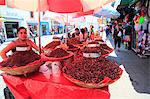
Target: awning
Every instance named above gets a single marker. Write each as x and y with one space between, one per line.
2 2
125 3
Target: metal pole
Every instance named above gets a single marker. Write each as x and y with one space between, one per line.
67 24
39 35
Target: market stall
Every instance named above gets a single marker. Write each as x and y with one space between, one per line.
84 75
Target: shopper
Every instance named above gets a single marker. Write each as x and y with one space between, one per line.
117 37
128 34
91 31
86 33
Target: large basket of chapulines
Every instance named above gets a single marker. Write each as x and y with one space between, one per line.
50 47
73 41
57 54
99 50
92 73
73 49
95 47
106 47
21 63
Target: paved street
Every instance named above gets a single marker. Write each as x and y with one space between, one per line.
137 68
135 81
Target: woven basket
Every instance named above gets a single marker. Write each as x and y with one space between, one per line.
45 58
74 50
79 45
23 70
120 73
109 51
47 51
107 81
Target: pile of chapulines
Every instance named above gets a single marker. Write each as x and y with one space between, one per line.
91 70
57 53
20 58
99 49
53 44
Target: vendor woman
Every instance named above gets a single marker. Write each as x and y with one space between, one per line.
22 41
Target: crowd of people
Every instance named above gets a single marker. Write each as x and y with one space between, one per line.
120 33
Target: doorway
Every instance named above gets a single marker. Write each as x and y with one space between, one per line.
11 29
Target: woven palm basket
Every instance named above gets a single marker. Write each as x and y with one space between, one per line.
23 70
107 81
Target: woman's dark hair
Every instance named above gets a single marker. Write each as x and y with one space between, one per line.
73 35
76 29
82 31
69 35
91 26
20 29
86 30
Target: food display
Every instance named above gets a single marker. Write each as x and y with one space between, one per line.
104 46
57 53
99 49
52 45
73 41
89 70
71 46
20 58
92 69
94 42
99 40
91 50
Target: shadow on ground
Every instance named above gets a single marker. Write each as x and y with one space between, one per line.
137 68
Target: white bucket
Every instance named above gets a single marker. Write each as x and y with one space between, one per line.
56 68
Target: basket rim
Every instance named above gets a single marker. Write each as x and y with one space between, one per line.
83 84
23 69
16 67
73 49
92 85
56 59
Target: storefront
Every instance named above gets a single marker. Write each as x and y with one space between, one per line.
57 28
140 36
11 29
10 21
43 25
9 26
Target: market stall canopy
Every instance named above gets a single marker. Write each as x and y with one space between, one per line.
2 2
107 11
111 13
60 6
125 3
60 18
128 2
79 14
